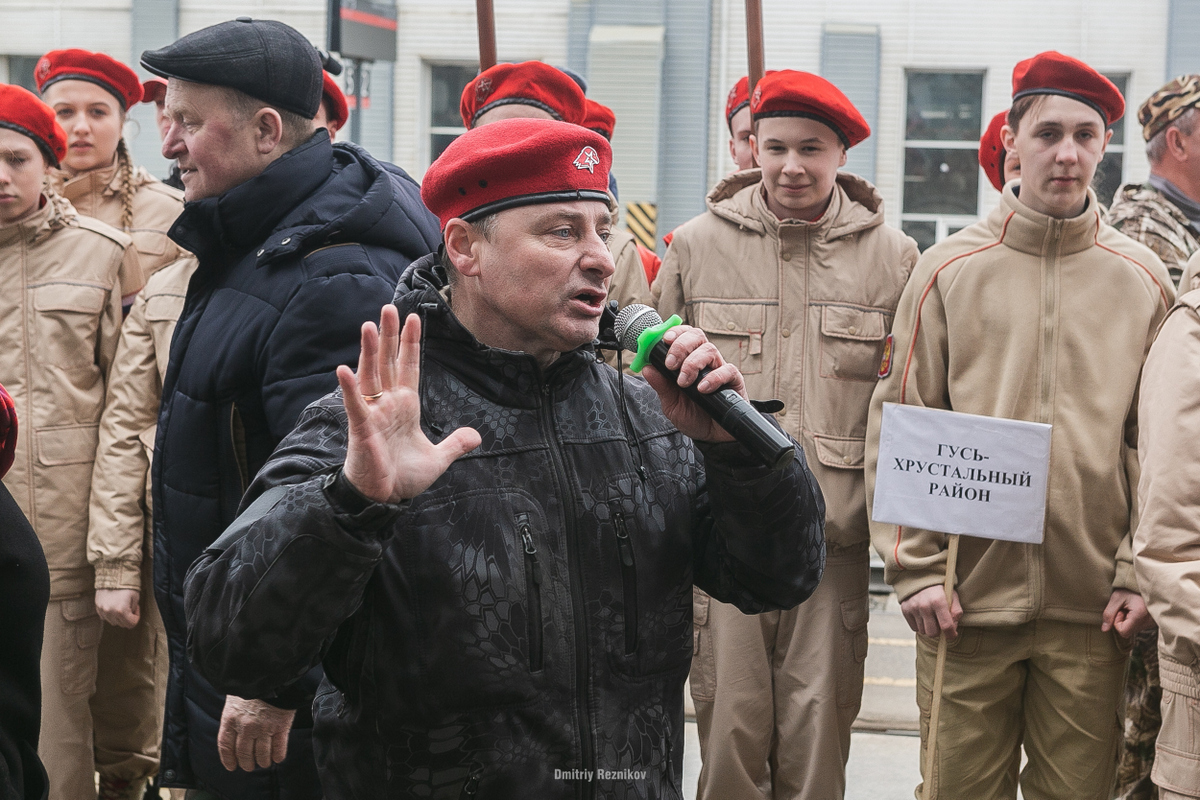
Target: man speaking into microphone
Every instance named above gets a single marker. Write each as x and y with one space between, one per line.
487 537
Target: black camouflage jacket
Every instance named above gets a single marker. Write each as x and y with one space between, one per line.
523 628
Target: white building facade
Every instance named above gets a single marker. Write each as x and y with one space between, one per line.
928 75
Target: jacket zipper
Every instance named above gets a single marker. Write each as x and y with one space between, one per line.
628 582
533 589
471 787
579 623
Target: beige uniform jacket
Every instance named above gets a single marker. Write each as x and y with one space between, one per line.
1166 544
62 276
1033 318
119 526
803 309
628 284
155 206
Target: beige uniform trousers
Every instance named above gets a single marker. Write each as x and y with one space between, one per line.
1177 754
1056 687
776 693
103 692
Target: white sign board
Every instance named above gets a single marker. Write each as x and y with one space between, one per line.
962 473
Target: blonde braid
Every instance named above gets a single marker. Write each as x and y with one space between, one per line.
125 166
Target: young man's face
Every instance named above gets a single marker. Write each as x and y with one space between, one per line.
540 283
1058 143
800 158
216 149
22 169
740 129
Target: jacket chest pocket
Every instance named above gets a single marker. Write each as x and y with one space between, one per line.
478 575
66 322
646 551
737 331
852 342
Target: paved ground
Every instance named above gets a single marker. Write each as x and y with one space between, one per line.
884 749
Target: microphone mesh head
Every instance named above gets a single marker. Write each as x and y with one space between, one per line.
632 321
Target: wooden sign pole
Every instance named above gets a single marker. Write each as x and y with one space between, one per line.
754 42
486 22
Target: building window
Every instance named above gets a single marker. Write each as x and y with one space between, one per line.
20 71
447 82
1111 170
941 145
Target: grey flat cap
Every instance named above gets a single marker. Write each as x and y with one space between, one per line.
263 58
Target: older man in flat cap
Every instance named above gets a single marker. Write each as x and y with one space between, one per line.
1164 212
506 613
299 242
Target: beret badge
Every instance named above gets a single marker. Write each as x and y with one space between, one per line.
587 159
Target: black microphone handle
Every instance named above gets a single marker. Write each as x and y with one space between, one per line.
734 413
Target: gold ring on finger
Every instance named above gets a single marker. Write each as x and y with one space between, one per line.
375 396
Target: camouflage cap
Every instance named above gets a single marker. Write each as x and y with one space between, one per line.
1168 103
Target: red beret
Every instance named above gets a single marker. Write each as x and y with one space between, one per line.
788 93
600 118
23 112
517 162
81 65
336 109
8 431
1054 73
739 98
991 151
154 90
530 83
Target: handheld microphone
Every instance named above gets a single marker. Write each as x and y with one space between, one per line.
639 329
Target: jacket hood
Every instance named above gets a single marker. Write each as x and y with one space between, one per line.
315 195
55 213
856 206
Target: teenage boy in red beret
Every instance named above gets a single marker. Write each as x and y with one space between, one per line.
793 274
504 614
737 117
1040 312
64 276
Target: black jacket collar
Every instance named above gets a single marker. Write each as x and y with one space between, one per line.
243 217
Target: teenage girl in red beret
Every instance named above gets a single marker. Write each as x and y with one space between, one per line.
90 94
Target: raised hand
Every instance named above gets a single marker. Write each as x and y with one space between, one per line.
389 458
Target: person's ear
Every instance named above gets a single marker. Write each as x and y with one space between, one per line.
1175 143
462 246
754 147
268 130
842 160
1008 138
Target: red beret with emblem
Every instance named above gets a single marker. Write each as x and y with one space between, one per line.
23 112
738 98
335 101
530 83
600 118
788 93
81 65
8 431
1054 73
991 151
154 90
517 162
